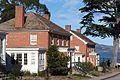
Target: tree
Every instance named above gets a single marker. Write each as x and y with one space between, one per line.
108 25
57 62
7 8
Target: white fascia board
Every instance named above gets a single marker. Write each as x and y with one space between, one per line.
22 49
78 37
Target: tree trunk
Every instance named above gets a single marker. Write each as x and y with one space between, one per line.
115 50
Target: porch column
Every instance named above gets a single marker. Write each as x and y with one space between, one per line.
4 50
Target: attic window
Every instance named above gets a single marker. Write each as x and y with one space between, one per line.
33 39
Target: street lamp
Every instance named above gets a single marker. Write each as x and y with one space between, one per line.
71 50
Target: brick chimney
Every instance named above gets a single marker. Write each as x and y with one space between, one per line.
47 15
19 16
78 30
68 28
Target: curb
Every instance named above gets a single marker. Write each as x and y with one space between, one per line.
110 76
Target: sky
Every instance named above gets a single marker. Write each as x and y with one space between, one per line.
66 12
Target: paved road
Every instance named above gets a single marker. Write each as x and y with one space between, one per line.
114 78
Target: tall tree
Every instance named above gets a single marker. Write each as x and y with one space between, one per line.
109 23
7 8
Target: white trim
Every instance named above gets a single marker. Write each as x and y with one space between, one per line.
78 37
19 49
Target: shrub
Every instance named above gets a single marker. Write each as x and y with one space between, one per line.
85 66
26 73
57 62
41 73
34 74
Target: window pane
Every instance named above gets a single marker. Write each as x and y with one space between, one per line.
25 58
12 58
33 39
19 58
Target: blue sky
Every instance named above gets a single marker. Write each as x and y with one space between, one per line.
65 12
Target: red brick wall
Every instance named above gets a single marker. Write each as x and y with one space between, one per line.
94 59
76 42
22 39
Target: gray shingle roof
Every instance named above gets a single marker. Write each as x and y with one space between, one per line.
34 21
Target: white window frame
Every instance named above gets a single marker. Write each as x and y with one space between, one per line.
77 48
62 42
33 39
33 58
67 42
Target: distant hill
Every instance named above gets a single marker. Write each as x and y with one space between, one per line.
104 48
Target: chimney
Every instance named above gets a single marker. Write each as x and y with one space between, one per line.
19 16
47 15
68 28
78 30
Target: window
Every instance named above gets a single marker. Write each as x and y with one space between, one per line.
25 58
58 42
33 39
41 59
67 42
52 41
19 59
12 58
33 58
78 59
62 42
77 48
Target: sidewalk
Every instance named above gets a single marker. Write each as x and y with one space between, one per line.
106 76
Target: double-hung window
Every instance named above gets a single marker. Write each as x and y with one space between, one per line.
33 39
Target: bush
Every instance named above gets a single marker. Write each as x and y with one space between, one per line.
85 66
34 74
41 73
12 77
57 62
26 73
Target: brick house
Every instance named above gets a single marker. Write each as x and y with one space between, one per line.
29 36
84 47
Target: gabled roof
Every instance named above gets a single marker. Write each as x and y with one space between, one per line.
83 38
33 22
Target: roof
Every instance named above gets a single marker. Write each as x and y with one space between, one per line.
34 22
84 38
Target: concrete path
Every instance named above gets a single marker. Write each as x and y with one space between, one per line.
106 76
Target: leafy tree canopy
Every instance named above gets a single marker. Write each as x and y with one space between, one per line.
7 8
110 22
110 9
